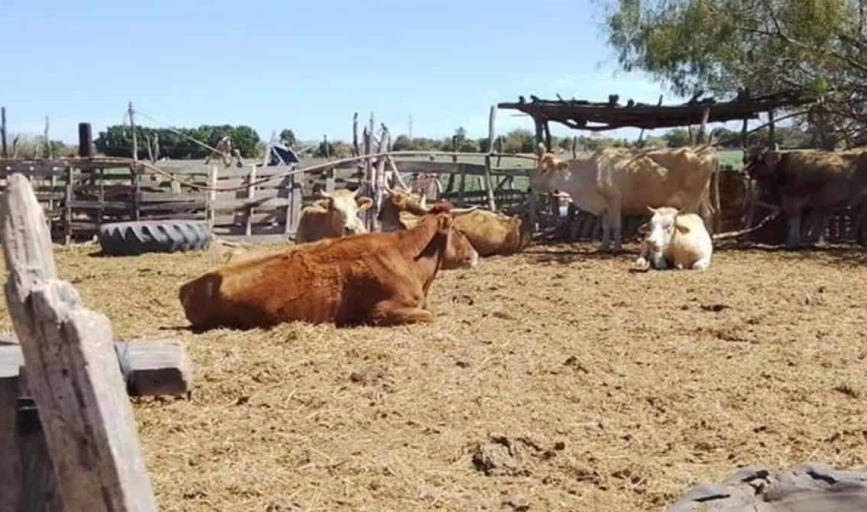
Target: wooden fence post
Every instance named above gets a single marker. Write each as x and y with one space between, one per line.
492 136
3 131
210 214
136 191
702 130
85 140
251 194
72 370
70 195
134 135
297 198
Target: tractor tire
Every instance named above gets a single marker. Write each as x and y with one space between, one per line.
140 237
804 488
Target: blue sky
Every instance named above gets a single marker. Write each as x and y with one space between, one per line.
302 65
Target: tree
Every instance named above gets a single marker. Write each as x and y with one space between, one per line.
287 137
519 141
813 48
402 143
676 138
116 140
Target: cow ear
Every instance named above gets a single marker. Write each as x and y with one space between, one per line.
364 203
682 229
444 224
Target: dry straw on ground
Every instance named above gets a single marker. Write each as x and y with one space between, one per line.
552 380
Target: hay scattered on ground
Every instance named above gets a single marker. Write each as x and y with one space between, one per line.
552 380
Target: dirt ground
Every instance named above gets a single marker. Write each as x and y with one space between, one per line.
551 380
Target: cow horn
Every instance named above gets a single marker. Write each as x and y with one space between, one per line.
324 195
463 211
357 191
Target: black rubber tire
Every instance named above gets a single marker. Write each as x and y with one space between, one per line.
140 237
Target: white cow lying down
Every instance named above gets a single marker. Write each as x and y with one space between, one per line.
675 239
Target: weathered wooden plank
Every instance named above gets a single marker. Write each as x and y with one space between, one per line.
251 199
9 461
72 370
153 197
267 218
242 204
180 205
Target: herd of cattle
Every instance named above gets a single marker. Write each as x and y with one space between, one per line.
338 273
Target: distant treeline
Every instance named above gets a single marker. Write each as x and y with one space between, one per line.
117 141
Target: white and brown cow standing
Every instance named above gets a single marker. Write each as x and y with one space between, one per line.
675 240
613 182
333 216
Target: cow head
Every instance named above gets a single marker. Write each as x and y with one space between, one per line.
459 252
396 201
760 163
662 228
548 174
343 207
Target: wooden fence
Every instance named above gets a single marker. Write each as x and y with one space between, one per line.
77 195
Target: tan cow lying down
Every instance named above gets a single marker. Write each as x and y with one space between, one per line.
675 239
612 182
490 232
333 216
374 278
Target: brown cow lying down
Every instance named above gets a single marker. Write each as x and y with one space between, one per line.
374 278
490 232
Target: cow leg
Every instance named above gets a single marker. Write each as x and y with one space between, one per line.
701 264
389 312
793 239
616 221
606 230
819 226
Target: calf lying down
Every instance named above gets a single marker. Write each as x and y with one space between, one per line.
375 278
674 239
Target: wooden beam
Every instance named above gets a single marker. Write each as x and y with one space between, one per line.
72 370
548 143
149 368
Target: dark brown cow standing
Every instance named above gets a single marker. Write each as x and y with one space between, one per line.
375 278
817 180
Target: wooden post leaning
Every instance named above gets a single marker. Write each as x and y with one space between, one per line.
72 370
489 187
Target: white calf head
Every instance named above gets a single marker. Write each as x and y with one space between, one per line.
343 207
662 227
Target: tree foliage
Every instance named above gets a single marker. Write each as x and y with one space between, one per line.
287 137
813 47
116 140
